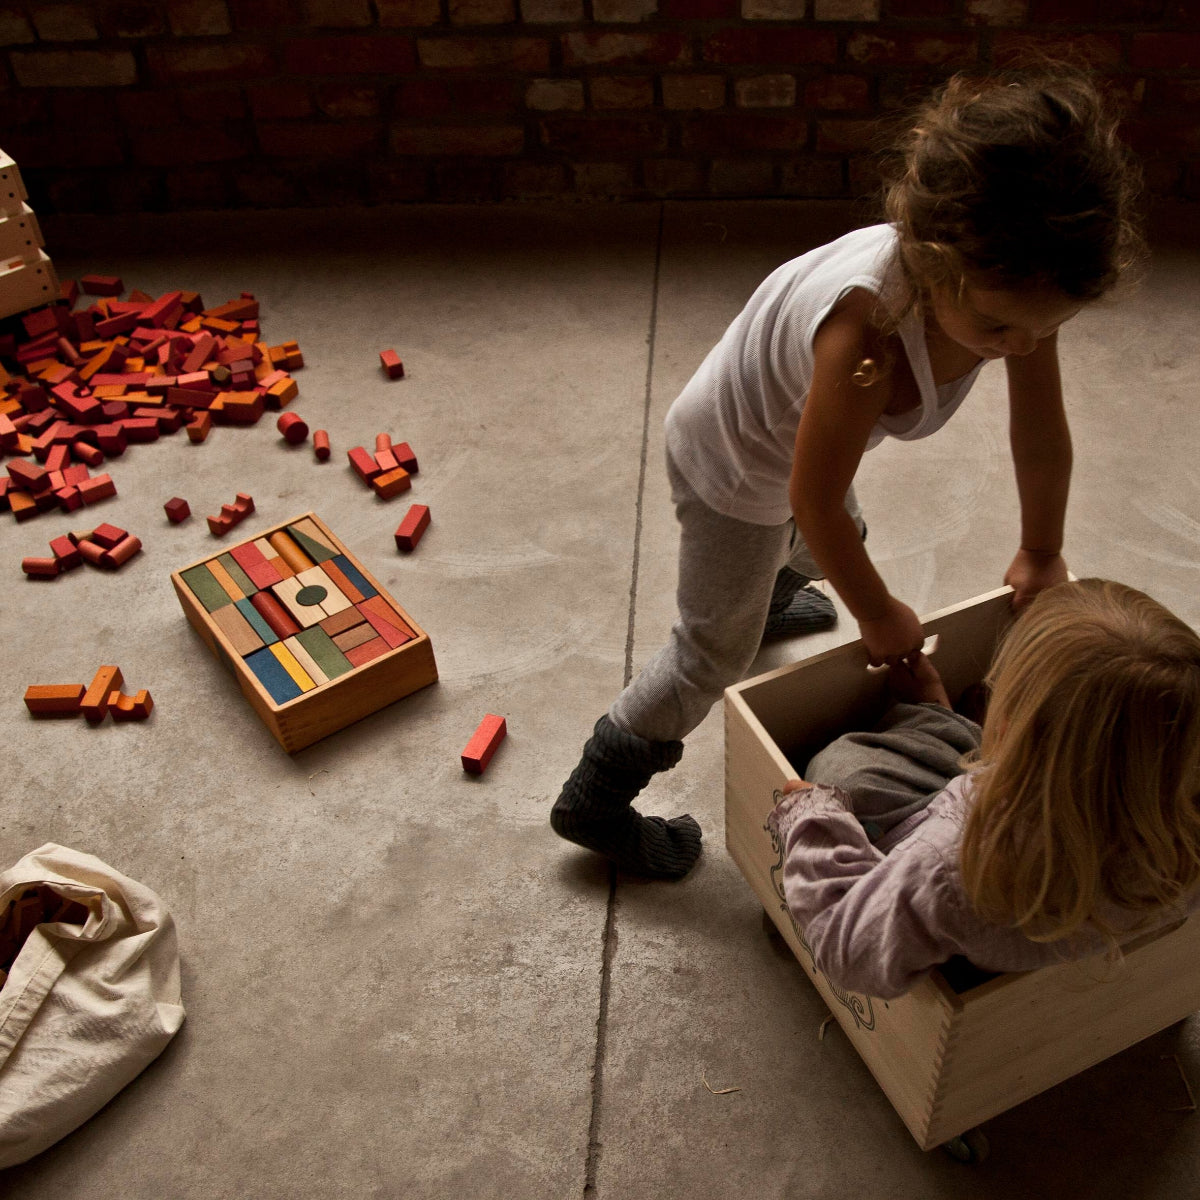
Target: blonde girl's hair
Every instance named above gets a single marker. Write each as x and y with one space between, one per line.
1017 180
1087 785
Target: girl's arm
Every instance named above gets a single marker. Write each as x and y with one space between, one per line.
1041 451
832 437
875 924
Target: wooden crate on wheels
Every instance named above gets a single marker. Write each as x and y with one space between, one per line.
961 1046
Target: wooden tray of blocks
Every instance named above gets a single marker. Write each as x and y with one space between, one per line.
313 640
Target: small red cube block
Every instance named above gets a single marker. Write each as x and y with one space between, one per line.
392 364
177 509
108 536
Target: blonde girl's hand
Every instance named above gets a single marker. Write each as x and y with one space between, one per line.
894 635
1031 572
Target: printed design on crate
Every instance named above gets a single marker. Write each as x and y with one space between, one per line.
859 1006
296 609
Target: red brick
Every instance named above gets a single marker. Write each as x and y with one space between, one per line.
625 92
1172 93
673 177
184 144
263 14
997 12
551 12
812 177
763 47
198 18
554 95
614 12
1172 50
774 10
466 182
422 98
390 182
262 188
840 92
1087 12
693 91
486 95
14 27
741 177
845 136
519 53
928 10
319 139
456 140
73 68
408 13
765 91
339 14
906 46
846 10
533 181
625 49
607 135
201 62
349 55
604 179
481 12
192 188
1096 49
746 133
73 147
344 100
64 23
700 10
147 109
1164 135
212 104
280 101
135 20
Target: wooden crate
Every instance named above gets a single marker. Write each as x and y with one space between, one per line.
25 284
960 1047
322 707
20 235
12 186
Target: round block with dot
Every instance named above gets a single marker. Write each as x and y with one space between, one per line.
293 428
313 594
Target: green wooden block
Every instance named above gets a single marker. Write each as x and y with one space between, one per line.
237 574
325 654
204 586
311 547
259 626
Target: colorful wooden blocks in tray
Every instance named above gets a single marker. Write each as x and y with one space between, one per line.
314 642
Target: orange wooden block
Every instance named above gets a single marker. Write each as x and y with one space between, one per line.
95 700
491 732
130 708
391 483
199 427
55 699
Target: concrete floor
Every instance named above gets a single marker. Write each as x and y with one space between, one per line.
399 983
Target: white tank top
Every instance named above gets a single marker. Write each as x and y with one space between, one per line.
732 430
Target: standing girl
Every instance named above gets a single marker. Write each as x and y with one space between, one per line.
1011 209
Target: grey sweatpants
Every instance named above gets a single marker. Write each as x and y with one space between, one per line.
894 770
727 572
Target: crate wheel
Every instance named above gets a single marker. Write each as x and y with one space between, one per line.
969 1147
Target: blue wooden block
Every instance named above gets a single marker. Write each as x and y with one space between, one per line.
270 673
355 576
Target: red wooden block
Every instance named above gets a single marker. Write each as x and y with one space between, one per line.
66 552
220 526
130 708
92 552
99 487
364 653
491 732
121 553
88 454
69 498
364 464
321 445
392 364
293 428
404 456
251 560
177 509
108 536
385 629
385 459
275 615
40 568
111 438
199 427
415 522
54 699
29 477
107 679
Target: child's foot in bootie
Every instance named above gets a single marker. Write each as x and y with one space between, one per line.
797 607
594 808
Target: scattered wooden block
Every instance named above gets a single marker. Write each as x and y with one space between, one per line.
199 427
392 366
293 428
391 483
54 699
40 568
364 464
410 530
108 535
478 753
177 509
66 552
101 285
95 700
321 445
130 708
121 553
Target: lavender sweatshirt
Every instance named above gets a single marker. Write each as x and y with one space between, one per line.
879 917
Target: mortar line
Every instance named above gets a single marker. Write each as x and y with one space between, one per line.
610 931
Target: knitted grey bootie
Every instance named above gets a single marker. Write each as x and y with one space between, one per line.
594 810
797 607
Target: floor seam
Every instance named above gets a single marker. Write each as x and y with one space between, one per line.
610 931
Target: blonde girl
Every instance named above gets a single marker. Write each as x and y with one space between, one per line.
1076 826
1011 209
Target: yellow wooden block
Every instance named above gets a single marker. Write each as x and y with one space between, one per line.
287 660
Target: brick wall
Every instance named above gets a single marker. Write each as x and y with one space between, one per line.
126 105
